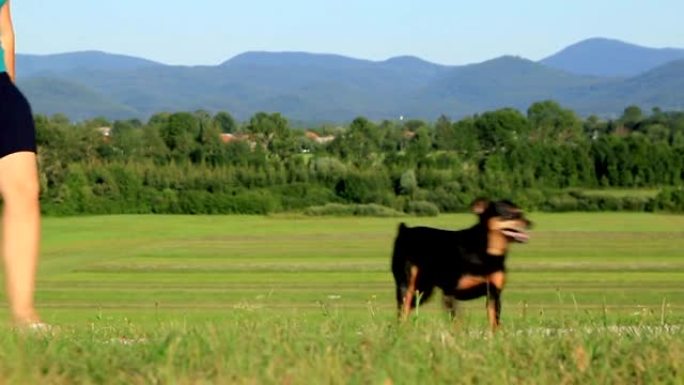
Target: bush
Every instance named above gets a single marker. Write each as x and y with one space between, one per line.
422 209
562 203
297 196
247 202
257 202
165 202
609 203
363 187
451 197
408 183
576 200
637 204
336 209
670 199
530 199
327 169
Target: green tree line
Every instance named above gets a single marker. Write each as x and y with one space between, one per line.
198 162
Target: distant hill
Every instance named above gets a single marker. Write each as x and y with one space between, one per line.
307 87
661 87
610 58
41 78
264 58
31 65
52 96
313 88
503 82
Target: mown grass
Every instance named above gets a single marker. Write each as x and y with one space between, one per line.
622 193
593 298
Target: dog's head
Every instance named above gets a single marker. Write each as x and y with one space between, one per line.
505 222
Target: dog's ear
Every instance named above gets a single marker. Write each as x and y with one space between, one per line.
479 205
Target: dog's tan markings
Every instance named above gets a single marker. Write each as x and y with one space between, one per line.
479 205
498 279
495 283
470 281
410 292
497 244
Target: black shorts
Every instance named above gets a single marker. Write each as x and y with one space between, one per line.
17 131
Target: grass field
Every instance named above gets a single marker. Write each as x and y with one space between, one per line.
622 193
593 298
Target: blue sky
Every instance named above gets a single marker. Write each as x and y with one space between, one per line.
198 32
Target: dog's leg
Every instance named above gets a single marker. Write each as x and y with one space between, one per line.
494 306
495 285
410 291
450 305
400 294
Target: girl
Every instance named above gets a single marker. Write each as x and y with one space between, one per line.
18 184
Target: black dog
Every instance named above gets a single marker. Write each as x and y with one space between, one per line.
465 264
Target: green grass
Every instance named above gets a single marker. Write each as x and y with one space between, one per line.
623 193
593 298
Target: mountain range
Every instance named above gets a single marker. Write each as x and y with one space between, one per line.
596 76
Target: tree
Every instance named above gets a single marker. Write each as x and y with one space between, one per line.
420 145
60 120
210 147
465 139
408 184
631 117
445 135
125 139
46 132
359 142
153 145
225 122
552 123
159 119
498 129
267 126
594 127
179 133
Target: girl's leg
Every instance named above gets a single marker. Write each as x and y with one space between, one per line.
19 186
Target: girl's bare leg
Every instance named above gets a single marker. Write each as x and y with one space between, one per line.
19 187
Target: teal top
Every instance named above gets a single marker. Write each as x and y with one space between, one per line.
2 51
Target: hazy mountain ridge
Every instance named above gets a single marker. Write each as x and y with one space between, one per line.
611 58
327 87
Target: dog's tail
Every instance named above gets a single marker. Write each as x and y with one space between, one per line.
399 264
398 253
399 240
